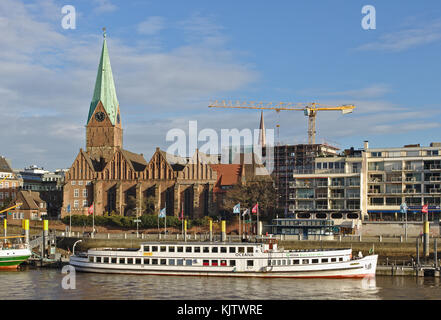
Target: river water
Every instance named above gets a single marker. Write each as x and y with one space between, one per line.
46 284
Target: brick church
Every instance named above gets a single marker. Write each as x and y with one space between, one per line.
117 180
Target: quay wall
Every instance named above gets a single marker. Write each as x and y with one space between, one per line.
395 229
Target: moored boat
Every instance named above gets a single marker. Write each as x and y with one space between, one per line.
11 256
262 259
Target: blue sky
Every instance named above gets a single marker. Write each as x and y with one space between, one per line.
171 58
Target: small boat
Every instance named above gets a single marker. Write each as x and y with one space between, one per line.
260 259
12 255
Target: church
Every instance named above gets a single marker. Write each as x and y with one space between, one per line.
118 181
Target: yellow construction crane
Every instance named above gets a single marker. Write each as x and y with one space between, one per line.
310 110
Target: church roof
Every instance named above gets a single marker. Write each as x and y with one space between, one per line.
105 87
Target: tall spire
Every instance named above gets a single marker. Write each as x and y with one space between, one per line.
105 86
262 135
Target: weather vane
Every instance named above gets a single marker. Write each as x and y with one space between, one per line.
104 32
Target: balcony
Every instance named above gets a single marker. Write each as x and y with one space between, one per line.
322 207
435 190
411 191
353 196
353 206
337 195
321 196
374 191
304 207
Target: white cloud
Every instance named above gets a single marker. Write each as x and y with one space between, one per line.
405 39
47 84
151 26
103 6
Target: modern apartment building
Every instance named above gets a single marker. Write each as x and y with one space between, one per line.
411 175
332 189
370 183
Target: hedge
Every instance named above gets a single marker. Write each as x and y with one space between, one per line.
147 221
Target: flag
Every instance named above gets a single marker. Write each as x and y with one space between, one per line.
68 208
162 213
403 208
255 208
91 209
245 212
425 209
236 208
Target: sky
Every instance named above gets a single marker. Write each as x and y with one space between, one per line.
170 59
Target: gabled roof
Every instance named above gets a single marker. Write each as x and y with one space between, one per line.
227 175
136 160
105 88
31 200
177 163
4 165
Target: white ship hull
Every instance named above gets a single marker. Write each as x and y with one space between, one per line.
260 263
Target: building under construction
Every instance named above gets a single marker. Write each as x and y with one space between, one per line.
298 158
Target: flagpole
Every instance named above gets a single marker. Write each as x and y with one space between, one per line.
257 225
239 225
165 221
93 220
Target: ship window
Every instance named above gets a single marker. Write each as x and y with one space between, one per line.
113 260
223 249
154 249
340 259
324 260
223 262
180 262
241 250
122 260
106 260
214 249
188 262
129 260
163 261
273 262
137 261
232 263
154 261
171 249
206 249
197 249
305 261
180 249
278 262
98 259
250 250
315 260
214 263
146 261
188 249
232 249
171 262
250 263
296 261
333 259
205 262
90 259
163 249
283 262
146 248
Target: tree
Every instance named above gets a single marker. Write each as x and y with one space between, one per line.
147 206
260 191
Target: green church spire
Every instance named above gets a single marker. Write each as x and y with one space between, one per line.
105 87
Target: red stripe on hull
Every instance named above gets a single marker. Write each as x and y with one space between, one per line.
8 267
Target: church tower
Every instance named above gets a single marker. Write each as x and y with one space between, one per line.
103 128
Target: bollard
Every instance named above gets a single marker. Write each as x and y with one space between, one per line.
5 227
211 230
185 230
435 255
380 238
426 238
223 233
26 230
418 251
45 234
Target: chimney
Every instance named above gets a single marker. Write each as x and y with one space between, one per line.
366 145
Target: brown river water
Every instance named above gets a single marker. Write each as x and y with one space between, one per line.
46 284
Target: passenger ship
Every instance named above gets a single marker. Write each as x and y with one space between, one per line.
226 259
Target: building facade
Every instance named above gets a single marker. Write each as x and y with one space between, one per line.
116 180
371 184
10 184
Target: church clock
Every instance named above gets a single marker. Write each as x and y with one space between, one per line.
100 116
